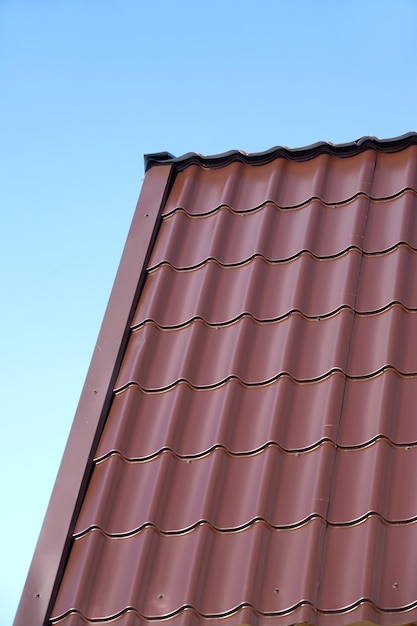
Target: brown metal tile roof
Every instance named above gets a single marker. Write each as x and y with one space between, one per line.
245 448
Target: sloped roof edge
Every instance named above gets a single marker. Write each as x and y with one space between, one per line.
54 539
297 154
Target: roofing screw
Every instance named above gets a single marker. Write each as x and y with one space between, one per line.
37 595
159 596
276 590
188 460
94 391
146 214
395 585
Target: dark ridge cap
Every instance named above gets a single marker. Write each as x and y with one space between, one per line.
157 158
295 154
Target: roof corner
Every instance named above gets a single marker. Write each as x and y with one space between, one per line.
156 158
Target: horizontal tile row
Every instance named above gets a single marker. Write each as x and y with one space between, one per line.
242 419
364 613
229 492
254 352
270 291
271 570
231 237
290 183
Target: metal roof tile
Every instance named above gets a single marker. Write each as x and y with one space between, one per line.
379 340
386 467
253 352
175 494
284 182
170 572
383 405
233 238
385 279
236 417
219 295
378 553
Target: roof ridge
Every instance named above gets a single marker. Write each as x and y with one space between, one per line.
303 153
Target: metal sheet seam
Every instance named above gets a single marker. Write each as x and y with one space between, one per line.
333 465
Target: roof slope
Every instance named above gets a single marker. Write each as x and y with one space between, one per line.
258 450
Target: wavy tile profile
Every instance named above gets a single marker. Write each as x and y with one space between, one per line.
174 494
232 237
168 572
257 462
248 350
312 286
241 419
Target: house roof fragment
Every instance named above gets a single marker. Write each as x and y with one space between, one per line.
245 444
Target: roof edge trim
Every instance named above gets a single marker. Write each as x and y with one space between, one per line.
55 537
157 158
295 154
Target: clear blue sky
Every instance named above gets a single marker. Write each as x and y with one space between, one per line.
88 87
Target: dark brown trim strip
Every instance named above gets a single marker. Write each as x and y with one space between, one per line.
294 154
56 534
